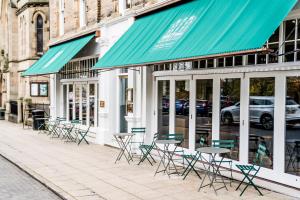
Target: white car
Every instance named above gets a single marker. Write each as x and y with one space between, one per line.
261 110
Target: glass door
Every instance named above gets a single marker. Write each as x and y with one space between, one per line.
204 103
182 107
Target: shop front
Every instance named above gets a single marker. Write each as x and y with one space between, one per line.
229 78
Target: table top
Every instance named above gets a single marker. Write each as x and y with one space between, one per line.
167 141
123 134
212 150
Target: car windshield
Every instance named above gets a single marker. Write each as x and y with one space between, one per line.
290 102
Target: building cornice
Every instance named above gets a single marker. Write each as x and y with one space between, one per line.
32 4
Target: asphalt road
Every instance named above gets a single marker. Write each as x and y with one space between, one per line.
17 185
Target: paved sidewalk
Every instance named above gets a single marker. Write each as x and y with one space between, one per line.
88 172
17 185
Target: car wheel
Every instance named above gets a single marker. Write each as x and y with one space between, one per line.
227 118
267 122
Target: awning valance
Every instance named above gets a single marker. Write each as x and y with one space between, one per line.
197 28
57 56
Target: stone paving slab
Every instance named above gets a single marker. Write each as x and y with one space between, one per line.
88 172
17 185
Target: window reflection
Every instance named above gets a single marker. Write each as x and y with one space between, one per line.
163 106
230 113
182 95
261 113
292 118
92 104
204 92
71 102
84 104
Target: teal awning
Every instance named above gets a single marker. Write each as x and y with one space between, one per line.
57 56
197 28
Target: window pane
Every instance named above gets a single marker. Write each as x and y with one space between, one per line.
290 30
204 98
220 62
84 104
210 63
238 60
230 113
289 48
92 105
71 102
228 61
163 106
261 112
261 59
251 60
77 101
292 121
182 101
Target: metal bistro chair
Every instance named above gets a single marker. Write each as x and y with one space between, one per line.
178 137
146 151
255 167
192 159
82 134
138 139
228 144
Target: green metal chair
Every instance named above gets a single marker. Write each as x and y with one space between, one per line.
178 137
82 134
138 139
192 159
228 144
255 167
146 151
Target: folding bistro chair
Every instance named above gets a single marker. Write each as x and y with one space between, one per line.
178 137
138 139
81 135
146 151
191 160
228 144
255 167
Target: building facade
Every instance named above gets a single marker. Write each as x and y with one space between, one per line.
250 98
24 30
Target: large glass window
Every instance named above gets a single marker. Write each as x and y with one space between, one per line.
292 123
261 115
77 102
204 99
123 113
70 101
92 104
182 100
84 104
230 113
163 106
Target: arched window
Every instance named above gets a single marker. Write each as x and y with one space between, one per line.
39 34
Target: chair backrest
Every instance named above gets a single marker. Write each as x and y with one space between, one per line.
138 130
228 144
202 142
261 152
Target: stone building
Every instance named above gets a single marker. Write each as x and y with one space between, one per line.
116 65
24 30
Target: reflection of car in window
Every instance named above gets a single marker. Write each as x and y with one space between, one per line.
261 111
203 108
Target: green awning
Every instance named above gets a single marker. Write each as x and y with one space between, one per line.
196 29
57 56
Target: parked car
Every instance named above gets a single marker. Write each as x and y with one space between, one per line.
261 111
203 107
179 105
